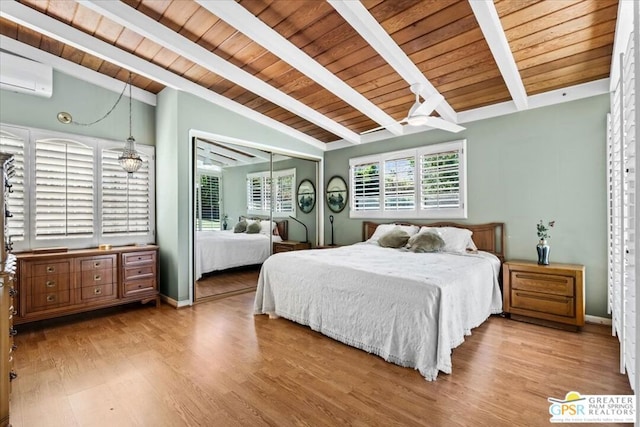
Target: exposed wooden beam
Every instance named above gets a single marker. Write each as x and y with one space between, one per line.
34 20
366 25
211 148
222 159
489 21
153 30
245 22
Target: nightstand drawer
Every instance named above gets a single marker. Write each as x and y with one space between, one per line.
547 283
542 303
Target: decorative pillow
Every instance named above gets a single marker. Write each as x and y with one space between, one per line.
383 229
240 227
395 238
425 242
254 227
265 229
455 239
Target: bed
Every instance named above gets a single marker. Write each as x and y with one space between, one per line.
409 308
223 249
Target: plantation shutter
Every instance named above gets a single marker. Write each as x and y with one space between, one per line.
14 144
125 197
440 183
64 189
365 183
284 194
399 184
256 192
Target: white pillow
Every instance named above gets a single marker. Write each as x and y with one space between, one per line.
265 227
383 229
455 239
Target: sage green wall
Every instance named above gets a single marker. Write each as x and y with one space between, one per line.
546 163
178 113
86 102
235 193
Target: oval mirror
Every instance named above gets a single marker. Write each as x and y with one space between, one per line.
306 196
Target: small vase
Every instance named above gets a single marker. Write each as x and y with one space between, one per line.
543 252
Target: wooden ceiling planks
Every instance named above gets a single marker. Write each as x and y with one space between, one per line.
554 43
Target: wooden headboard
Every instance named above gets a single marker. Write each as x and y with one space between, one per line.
487 237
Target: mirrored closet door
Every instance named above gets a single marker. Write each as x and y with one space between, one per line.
245 200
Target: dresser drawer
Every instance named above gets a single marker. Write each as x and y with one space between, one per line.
46 268
50 283
106 291
44 301
542 302
97 264
140 272
547 283
96 277
137 258
139 286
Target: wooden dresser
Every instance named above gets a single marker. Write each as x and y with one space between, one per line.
551 295
290 245
60 283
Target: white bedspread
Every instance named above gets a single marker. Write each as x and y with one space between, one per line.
411 309
219 250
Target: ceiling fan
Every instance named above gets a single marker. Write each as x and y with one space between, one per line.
419 114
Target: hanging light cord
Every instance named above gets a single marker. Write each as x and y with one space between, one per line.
73 122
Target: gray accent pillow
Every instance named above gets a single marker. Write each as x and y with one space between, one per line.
240 227
425 242
254 227
395 238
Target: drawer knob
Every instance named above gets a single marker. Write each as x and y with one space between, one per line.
96 277
97 291
13 332
50 269
96 264
51 298
12 376
51 284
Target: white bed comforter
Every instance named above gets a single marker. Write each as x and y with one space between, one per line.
411 309
219 250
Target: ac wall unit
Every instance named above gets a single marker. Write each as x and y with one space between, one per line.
26 76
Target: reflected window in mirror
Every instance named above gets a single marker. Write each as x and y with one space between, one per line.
259 193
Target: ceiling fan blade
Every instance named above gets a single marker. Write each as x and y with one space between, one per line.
380 128
437 122
429 105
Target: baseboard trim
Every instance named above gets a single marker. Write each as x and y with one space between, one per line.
597 320
173 303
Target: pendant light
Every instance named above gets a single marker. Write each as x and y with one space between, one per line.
129 159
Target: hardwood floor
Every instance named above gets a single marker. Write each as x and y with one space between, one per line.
228 282
216 364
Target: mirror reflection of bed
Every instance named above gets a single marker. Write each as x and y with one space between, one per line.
229 187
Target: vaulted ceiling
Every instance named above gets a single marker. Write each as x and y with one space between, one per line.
324 71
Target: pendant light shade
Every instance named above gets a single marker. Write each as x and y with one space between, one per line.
129 159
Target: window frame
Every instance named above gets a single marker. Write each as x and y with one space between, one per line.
417 212
271 179
30 241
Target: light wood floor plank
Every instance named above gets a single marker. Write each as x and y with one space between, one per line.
216 364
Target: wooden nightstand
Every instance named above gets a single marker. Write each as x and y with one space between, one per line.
550 295
290 245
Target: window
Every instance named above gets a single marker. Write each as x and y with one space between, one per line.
208 202
426 182
126 202
69 190
259 193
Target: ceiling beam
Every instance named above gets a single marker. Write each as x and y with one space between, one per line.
366 25
222 159
57 30
489 21
248 24
151 29
214 148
